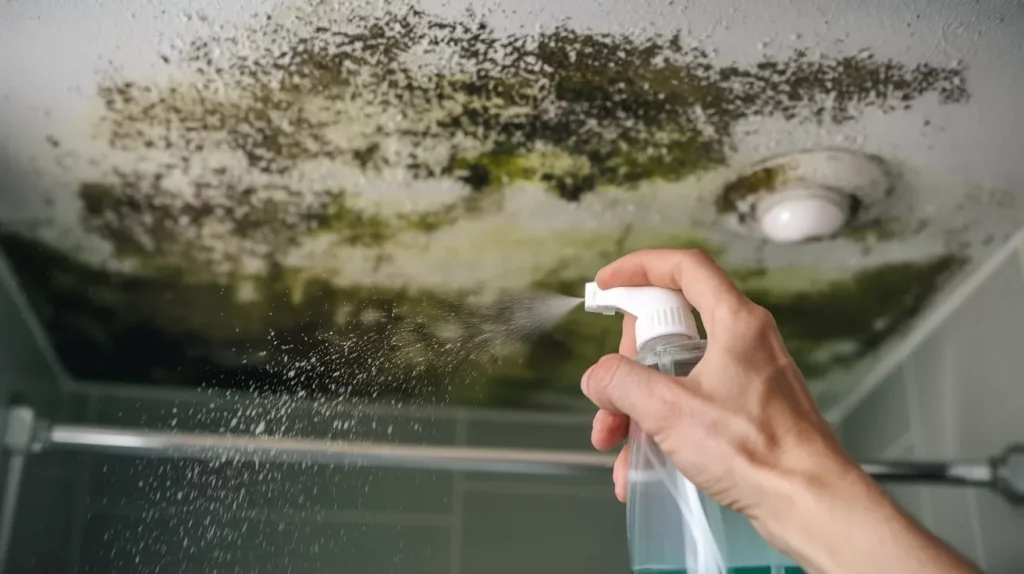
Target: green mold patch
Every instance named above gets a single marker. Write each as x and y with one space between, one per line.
751 184
291 335
838 321
431 97
884 229
296 333
570 176
257 143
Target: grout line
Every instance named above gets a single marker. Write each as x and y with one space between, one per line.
899 446
975 519
1020 257
924 328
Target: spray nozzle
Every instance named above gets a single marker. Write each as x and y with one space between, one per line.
658 311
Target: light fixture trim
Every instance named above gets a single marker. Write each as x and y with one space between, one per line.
843 186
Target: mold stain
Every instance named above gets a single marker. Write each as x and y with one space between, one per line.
213 179
426 97
749 185
841 320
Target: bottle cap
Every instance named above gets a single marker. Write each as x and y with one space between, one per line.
658 311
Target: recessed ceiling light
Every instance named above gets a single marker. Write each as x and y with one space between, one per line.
803 196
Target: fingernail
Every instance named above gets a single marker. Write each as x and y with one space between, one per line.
583 381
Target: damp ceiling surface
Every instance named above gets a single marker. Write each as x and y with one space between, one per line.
325 196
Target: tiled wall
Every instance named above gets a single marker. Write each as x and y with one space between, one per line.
85 514
959 395
106 514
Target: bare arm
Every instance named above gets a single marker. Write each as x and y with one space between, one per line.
845 523
744 428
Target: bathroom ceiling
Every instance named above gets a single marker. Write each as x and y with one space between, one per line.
329 196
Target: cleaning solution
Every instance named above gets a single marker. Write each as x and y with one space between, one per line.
672 527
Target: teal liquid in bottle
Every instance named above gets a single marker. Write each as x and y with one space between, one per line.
672 526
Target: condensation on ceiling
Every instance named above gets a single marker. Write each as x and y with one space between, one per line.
326 196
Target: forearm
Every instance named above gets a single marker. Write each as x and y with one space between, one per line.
848 525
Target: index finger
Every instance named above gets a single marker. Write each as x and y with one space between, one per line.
627 344
704 284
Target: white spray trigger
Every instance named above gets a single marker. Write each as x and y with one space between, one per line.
658 311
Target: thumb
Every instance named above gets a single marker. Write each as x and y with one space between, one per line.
617 384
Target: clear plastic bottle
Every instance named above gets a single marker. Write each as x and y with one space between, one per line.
672 527
662 538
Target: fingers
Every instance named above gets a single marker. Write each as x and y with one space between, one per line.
627 345
619 385
609 429
620 473
704 284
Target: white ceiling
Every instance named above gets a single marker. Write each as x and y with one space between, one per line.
960 164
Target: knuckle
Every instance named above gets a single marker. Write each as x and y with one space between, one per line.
664 406
757 319
663 415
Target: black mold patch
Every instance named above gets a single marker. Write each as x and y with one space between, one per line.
221 165
439 98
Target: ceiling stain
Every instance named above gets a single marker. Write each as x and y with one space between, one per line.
260 146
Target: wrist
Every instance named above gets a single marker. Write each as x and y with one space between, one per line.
808 503
825 511
839 520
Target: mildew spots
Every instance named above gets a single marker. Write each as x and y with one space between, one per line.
262 146
277 110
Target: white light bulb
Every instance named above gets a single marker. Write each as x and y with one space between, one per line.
801 214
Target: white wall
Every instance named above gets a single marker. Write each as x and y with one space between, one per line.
959 395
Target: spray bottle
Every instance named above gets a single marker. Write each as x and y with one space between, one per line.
672 527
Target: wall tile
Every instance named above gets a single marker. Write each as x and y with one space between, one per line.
160 542
544 433
949 509
879 421
1002 533
929 381
45 525
148 483
967 391
989 335
542 534
572 433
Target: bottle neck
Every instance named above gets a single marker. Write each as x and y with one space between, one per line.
665 341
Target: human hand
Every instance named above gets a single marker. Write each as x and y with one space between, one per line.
742 425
